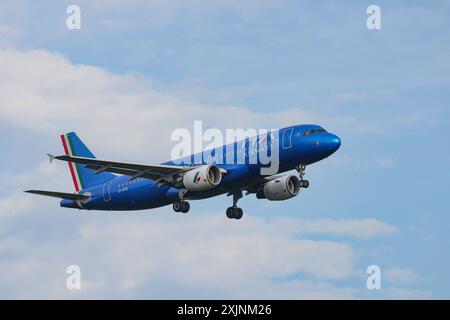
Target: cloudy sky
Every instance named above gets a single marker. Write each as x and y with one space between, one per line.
136 72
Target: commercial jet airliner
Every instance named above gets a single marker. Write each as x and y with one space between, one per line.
111 185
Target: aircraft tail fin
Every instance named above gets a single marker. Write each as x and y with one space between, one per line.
82 176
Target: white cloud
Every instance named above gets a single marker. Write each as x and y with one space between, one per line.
14 202
171 256
161 256
44 174
357 228
123 256
13 205
44 92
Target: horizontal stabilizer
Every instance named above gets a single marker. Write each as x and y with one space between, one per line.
61 195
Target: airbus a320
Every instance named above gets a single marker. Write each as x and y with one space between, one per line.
120 186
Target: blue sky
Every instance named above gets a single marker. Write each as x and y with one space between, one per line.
135 72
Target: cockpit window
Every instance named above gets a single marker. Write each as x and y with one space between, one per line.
312 131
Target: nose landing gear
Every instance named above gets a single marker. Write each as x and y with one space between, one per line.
304 184
301 170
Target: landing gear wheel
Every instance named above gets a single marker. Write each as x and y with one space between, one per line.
181 206
306 183
177 206
185 206
234 213
230 212
238 213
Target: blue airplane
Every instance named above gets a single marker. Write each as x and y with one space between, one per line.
120 186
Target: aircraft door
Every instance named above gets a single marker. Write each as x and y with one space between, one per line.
107 191
287 138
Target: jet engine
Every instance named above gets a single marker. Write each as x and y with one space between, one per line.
202 178
281 188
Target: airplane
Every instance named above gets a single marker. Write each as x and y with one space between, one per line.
121 186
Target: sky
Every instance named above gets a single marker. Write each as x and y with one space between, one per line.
138 70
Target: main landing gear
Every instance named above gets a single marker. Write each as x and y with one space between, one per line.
181 206
301 170
235 212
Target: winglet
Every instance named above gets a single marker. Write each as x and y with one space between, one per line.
51 157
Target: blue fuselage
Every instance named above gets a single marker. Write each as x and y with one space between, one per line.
301 144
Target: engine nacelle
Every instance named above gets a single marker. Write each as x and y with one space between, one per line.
281 188
202 178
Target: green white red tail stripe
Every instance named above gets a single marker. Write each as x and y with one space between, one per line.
68 149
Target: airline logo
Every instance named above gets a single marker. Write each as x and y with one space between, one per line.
196 178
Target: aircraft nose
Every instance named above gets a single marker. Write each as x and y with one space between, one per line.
332 143
335 142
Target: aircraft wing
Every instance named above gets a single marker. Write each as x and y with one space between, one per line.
61 195
165 174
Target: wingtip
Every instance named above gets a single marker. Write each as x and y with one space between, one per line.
51 157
